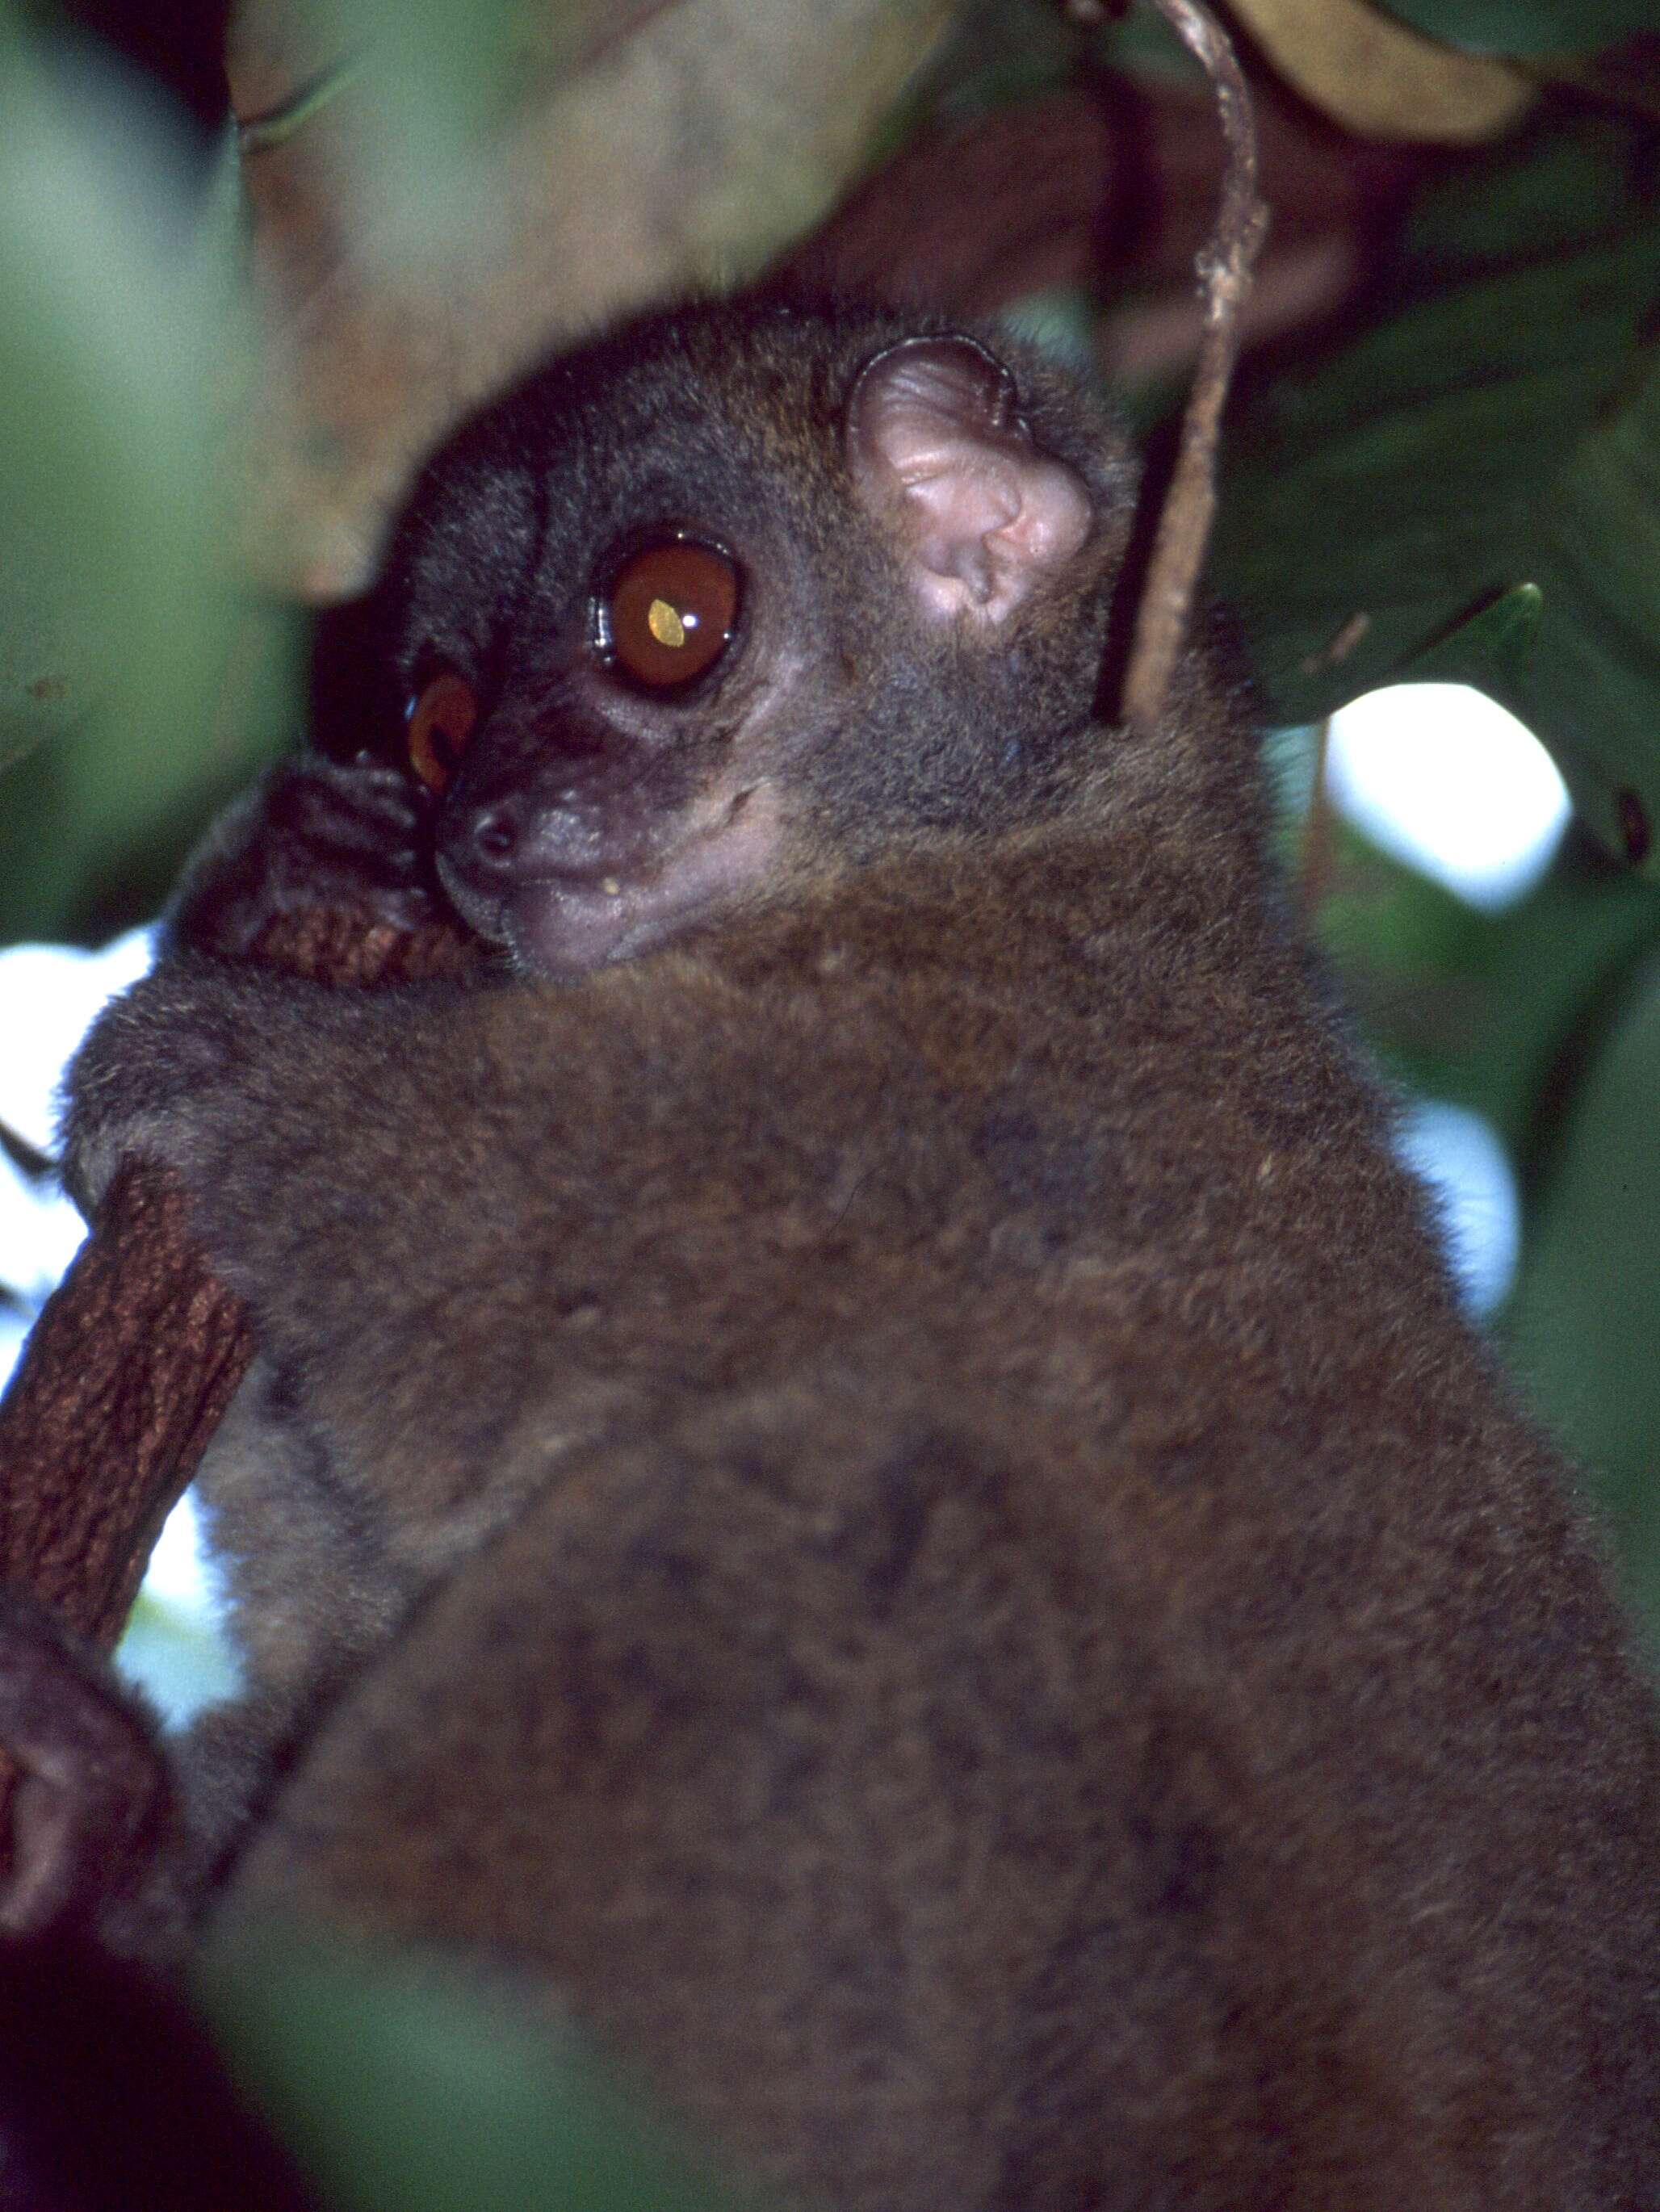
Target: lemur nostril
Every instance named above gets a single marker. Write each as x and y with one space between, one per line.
496 833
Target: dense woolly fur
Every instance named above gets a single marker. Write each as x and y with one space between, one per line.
889 1500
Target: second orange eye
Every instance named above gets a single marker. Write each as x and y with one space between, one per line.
669 614
440 720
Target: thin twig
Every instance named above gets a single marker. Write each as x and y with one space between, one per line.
1223 267
28 1160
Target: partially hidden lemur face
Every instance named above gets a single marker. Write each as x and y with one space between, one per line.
700 669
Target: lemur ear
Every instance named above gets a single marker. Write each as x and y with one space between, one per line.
941 458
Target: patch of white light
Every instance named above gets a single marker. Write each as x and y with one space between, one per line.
1458 1155
1443 778
174 1647
178 1568
49 994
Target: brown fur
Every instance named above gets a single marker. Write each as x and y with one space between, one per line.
891 1501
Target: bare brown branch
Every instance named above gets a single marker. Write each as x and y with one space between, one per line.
126 1374
1224 273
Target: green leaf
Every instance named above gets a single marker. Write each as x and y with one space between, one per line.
1546 1020
433 82
1528 27
1497 1013
1585 1315
1590 687
117 353
1496 427
402 2087
1495 643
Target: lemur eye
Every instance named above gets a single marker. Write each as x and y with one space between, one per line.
441 719
668 616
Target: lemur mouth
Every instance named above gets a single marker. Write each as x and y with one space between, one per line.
566 922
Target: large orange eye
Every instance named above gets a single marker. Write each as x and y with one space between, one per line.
669 613
440 720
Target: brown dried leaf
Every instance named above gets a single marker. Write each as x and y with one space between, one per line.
1376 77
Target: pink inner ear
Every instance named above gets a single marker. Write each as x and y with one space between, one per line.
979 514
